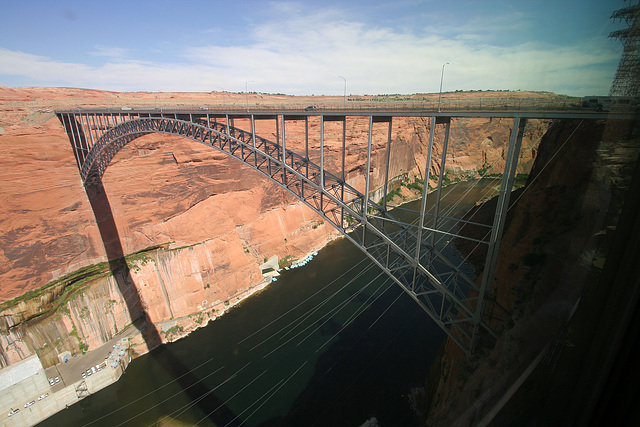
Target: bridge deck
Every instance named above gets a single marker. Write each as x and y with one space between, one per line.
561 114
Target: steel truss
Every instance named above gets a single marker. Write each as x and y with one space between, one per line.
405 251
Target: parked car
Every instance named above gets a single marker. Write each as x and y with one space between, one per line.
310 108
57 380
43 396
13 412
26 405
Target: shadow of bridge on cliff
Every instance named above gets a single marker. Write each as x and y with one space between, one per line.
216 409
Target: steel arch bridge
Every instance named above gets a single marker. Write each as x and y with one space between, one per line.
404 250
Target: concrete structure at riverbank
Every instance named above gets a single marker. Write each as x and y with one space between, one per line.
31 394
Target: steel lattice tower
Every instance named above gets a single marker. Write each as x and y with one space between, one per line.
627 79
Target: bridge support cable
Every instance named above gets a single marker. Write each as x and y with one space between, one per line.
405 251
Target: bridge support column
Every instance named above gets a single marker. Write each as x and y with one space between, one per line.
445 144
283 157
386 169
423 203
253 140
343 176
511 163
321 183
365 209
306 153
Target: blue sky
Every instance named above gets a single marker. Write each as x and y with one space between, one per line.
302 47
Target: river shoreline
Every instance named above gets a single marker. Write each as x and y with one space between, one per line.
188 323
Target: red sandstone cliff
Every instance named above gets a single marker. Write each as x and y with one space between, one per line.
216 221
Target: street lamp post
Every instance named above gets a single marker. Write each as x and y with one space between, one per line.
344 102
246 91
441 77
222 91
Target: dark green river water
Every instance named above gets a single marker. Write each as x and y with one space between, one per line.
332 343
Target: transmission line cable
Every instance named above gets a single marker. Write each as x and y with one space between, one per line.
304 301
293 323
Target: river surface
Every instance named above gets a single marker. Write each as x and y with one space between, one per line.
333 343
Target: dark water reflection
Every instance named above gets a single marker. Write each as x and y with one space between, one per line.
332 343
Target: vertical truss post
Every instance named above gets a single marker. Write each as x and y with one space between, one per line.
306 153
367 182
386 169
100 129
344 142
81 131
277 139
76 150
321 154
102 123
284 155
253 139
91 121
82 139
423 203
445 144
306 140
511 163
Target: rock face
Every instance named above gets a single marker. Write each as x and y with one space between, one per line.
555 241
210 222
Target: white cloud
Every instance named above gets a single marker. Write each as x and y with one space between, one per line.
110 52
305 53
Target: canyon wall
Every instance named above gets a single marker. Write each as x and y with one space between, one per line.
196 223
556 239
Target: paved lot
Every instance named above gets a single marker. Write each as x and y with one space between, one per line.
71 372
64 393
